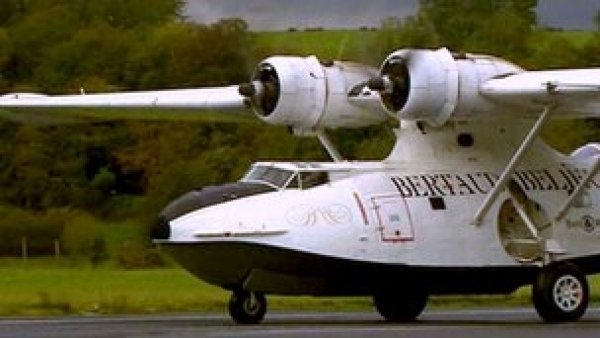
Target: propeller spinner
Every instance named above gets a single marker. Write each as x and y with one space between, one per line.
264 90
394 83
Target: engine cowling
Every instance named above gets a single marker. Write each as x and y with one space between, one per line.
437 85
303 93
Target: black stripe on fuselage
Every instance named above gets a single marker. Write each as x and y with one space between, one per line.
277 270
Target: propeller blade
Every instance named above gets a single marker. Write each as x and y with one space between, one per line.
379 84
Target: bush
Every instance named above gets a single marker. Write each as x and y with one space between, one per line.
33 234
139 256
83 237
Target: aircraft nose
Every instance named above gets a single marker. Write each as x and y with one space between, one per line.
198 199
161 228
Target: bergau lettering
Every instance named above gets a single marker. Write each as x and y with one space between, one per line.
413 181
463 186
431 184
544 175
569 185
491 178
404 190
447 184
527 181
576 174
442 185
477 185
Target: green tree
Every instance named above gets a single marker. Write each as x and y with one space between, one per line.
53 37
463 25
395 33
30 38
91 56
9 9
511 42
590 54
116 13
5 55
127 14
552 50
183 54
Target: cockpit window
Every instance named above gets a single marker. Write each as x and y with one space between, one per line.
281 178
276 177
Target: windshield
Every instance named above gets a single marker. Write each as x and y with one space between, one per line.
282 178
272 176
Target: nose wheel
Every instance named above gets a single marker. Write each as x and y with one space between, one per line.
247 307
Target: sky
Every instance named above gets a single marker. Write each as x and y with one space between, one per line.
568 14
284 14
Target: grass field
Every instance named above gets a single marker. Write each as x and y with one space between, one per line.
47 287
579 38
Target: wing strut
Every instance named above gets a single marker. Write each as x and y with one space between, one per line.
325 141
512 165
329 146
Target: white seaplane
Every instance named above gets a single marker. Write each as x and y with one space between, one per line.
469 201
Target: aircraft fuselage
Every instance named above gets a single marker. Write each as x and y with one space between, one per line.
361 226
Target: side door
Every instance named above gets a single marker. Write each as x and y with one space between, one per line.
393 217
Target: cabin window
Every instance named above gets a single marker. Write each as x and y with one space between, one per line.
313 179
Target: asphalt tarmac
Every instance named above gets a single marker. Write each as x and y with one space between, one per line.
497 323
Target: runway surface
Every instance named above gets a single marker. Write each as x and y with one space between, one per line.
487 323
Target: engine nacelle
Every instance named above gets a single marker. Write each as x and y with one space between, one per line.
304 93
435 86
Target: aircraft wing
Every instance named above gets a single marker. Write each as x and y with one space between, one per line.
189 104
301 93
576 91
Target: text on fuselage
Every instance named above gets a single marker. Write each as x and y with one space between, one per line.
463 184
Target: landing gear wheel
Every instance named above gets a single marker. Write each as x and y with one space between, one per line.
246 307
560 293
397 306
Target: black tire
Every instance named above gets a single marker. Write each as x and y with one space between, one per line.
400 307
560 293
246 307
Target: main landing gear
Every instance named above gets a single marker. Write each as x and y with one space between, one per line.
401 305
247 307
560 293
